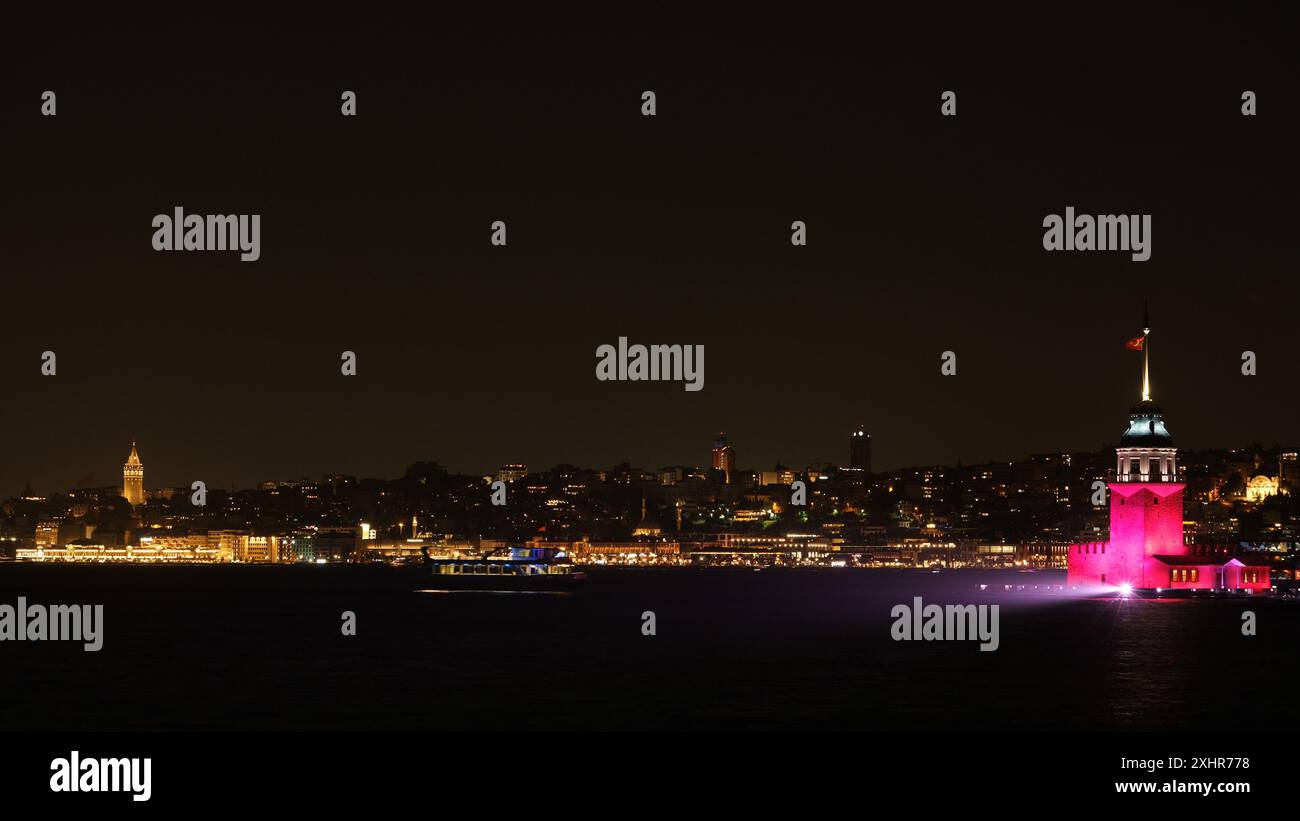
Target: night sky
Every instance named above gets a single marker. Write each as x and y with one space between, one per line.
925 235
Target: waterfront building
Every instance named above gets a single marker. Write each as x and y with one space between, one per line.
1146 549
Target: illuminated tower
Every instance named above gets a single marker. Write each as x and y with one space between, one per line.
133 478
1146 499
724 457
1146 548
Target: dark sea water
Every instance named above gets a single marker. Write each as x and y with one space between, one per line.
260 648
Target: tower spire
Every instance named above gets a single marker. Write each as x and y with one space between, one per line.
1146 354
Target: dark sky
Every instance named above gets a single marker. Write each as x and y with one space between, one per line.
924 235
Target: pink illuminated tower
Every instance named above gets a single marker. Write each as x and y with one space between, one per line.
1146 548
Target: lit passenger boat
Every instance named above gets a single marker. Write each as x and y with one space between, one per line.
525 569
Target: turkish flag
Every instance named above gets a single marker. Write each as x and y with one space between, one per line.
1135 344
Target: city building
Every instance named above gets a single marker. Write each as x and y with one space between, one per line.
724 458
1261 486
671 475
860 451
780 475
1146 549
1288 470
133 478
641 551
510 473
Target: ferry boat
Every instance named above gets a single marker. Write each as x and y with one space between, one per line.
523 569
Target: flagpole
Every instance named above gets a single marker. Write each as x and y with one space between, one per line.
1146 356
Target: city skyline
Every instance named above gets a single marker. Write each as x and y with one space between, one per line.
722 457
1017 512
95 479
999 514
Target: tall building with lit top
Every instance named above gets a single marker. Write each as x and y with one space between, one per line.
724 457
133 478
860 451
1146 549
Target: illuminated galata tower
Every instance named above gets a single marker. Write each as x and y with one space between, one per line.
133 478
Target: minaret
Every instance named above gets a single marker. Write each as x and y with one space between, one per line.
133 478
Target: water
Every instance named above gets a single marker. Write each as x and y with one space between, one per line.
259 648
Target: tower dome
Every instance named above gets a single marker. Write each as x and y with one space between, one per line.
1146 428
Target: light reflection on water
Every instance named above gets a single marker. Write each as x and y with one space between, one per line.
785 649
